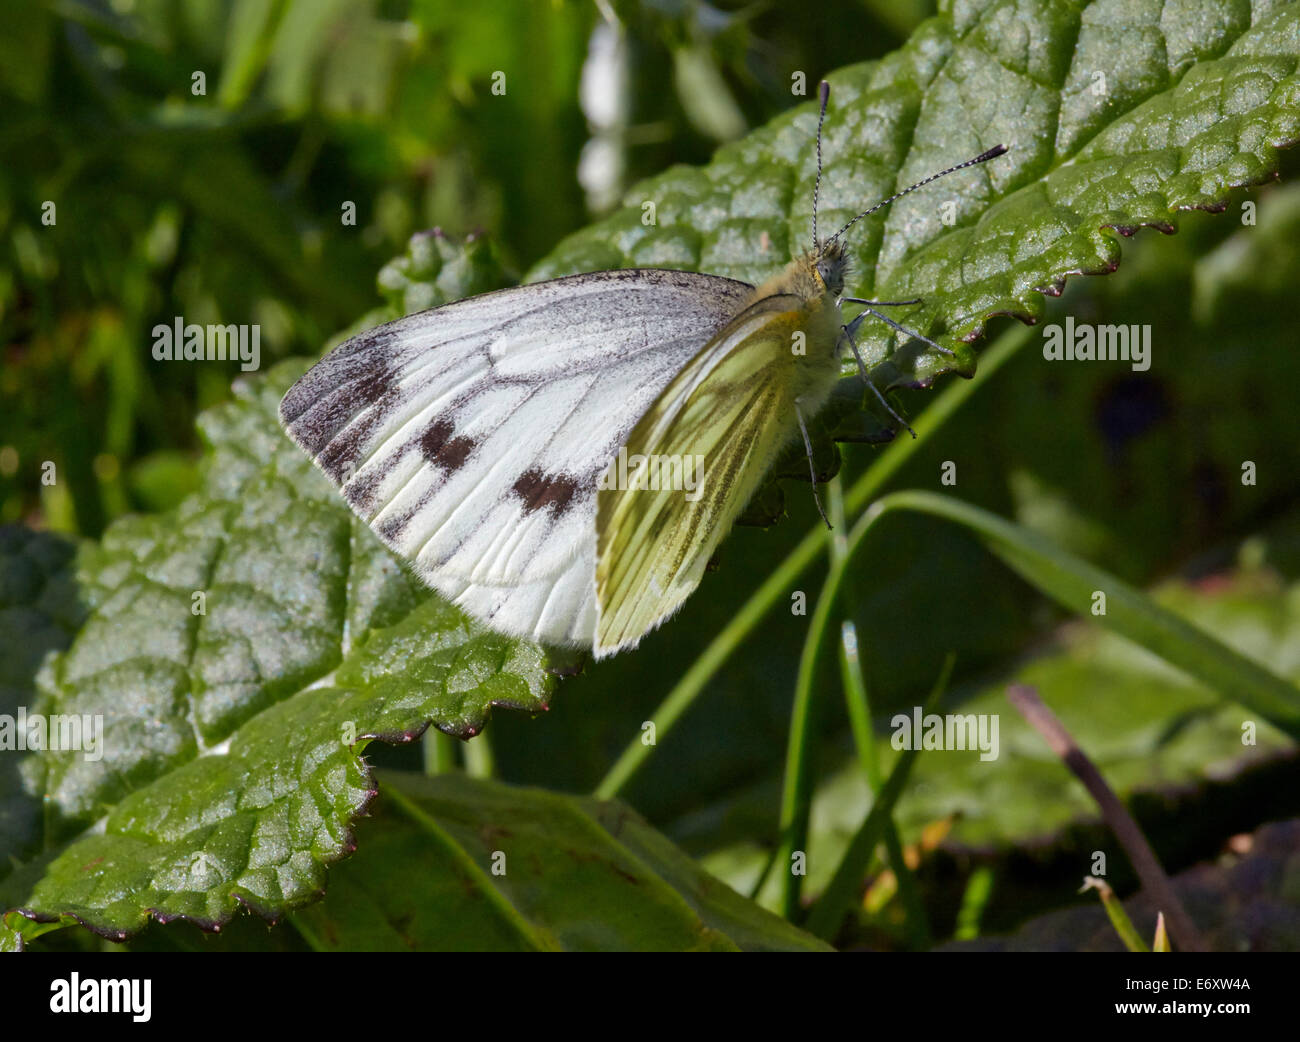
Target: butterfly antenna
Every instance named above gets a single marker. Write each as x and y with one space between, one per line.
825 96
983 157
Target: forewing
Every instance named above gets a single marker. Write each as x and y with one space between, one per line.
723 419
471 437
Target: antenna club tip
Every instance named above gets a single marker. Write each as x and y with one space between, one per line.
824 92
992 153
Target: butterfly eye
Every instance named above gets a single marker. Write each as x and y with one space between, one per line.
831 269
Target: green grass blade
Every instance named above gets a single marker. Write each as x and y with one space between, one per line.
840 893
1072 582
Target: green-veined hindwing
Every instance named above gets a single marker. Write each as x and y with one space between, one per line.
718 425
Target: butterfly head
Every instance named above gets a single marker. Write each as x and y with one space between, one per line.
831 262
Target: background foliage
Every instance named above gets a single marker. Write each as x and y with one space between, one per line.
226 208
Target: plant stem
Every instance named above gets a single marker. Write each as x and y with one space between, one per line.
439 751
479 761
1143 858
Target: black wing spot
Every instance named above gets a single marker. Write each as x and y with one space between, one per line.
540 491
438 445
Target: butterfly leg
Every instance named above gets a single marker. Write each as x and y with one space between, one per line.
890 322
862 370
812 466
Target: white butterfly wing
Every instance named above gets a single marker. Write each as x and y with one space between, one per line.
472 437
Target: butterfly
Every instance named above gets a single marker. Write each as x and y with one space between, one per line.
561 460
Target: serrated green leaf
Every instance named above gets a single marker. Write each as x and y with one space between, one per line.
10 940
452 863
1117 116
240 650
435 269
